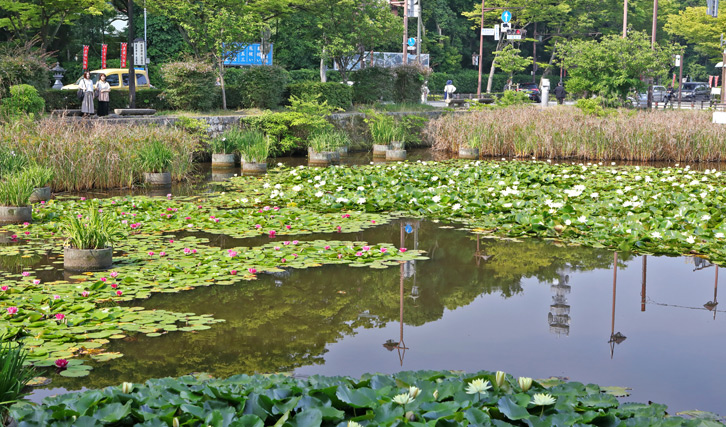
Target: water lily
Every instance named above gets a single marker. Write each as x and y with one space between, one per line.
384 250
103 279
413 391
402 250
151 253
543 399
499 378
12 310
524 383
359 253
478 386
403 399
36 282
233 272
127 388
366 248
119 293
114 285
25 274
84 293
354 424
61 363
60 316
252 270
4 288
272 233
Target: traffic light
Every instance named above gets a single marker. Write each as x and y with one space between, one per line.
516 34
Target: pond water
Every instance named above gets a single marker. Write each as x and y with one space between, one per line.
531 308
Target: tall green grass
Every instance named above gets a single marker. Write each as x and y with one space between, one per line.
91 230
567 133
96 155
13 376
16 188
254 146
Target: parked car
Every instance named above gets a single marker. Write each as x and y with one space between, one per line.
659 95
117 78
532 90
695 91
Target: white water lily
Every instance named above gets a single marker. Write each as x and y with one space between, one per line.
524 383
499 378
403 399
278 186
436 199
543 399
705 217
594 195
456 207
296 188
478 386
319 194
691 240
582 219
361 200
413 391
354 424
656 235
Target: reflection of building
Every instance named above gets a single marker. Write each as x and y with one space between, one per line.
559 315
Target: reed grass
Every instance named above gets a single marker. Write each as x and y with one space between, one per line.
14 376
16 189
96 155
567 133
92 230
254 146
328 140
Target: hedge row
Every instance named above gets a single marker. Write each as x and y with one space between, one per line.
67 99
466 81
338 95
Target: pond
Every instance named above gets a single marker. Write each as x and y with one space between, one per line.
531 308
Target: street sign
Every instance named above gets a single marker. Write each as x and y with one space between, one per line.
496 32
487 31
506 16
678 61
514 37
412 41
139 52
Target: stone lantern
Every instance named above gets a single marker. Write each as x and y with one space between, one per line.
57 75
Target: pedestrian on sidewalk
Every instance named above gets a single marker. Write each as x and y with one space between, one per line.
104 90
669 97
86 85
560 93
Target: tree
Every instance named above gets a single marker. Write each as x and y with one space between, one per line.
510 60
613 66
698 29
28 19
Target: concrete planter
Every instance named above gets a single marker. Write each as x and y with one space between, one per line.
468 153
163 178
87 259
41 194
343 151
334 157
397 145
319 159
253 168
223 160
379 150
396 155
15 214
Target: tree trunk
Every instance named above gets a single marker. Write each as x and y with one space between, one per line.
221 83
491 70
323 68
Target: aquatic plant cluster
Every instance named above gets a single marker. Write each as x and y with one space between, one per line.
567 133
421 398
76 316
672 210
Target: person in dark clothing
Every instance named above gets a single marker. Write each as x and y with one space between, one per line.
560 93
669 97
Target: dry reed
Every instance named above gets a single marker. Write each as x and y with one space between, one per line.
567 133
95 155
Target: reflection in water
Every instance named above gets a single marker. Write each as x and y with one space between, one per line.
615 338
559 315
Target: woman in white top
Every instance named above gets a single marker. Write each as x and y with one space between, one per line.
449 90
104 90
86 85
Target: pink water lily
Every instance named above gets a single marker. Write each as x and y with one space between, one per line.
233 272
327 247
384 250
171 240
338 228
373 221
60 316
345 216
231 253
252 270
119 293
25 224
286 242
187 250
288 227
340 256
162 253
103 279
151 253
113 274
295 242
276 208
283 260
12 310
187 218
36 282
266 208
4 288
258 226
84 293
402 250
61 363
359 254
272 233
277 248
83 199
27 233
56 297
25 274
366 248
114 285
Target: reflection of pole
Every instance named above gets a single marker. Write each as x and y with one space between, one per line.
615 281
715 293
642 291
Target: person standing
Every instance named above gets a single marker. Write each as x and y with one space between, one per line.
104 92
560 93
425 93
86 85
449 90
669 97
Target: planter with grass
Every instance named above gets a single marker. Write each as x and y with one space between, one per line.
383 132
223 148
15 191
254 148
324 147
14 378
395 155
89 239
41 177
154 161
470 150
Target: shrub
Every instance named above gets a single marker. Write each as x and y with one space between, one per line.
190 85
263 86
24 99
154 158
288 131
337 95
373 84
407 84
23 65
511 97
146 98
591 106
298 76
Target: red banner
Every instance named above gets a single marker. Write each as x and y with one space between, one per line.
123 55
710 81
715 78
104 49
85 57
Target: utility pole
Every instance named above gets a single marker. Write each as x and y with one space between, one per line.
418 35
625 19
130 57
534 55
405 32
652 46
481 49
680 79
723 75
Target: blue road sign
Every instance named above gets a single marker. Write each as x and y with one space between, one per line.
506 16
408 228
412 41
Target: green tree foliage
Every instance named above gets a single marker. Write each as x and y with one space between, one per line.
28 19
373 84
509 60
190 85
23 65
699 30
613 66
23 100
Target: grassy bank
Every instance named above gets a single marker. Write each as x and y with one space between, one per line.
95 155
567 133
